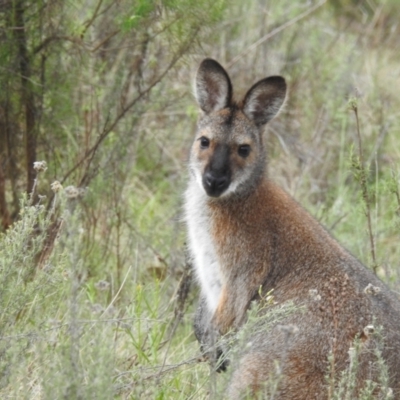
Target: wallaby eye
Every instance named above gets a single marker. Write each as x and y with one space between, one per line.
204 142
244 150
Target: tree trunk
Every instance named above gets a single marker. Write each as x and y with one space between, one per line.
28 99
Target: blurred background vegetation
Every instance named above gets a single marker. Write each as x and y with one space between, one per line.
94 288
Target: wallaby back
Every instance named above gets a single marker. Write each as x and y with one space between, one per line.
245 233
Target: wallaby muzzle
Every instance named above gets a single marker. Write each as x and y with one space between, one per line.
217 175
215 184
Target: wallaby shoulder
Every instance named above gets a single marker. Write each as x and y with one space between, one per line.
270 236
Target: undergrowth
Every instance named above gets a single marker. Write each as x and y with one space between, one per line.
94 291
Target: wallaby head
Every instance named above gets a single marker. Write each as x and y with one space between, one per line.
228 154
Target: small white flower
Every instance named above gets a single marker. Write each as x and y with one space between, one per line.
371 289
314 294
40 166
72 192
369 330
56 187
352 353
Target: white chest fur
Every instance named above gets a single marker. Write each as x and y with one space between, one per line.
201 246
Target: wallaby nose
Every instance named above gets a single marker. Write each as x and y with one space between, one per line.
215 184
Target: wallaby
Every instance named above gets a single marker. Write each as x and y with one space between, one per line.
247 235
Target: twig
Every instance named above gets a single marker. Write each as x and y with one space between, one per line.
119 291
48 40
275 31
396 191
333 226
107 38
53 231
364 188
89 155
91 20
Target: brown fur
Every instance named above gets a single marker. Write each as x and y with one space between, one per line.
282 247
262 238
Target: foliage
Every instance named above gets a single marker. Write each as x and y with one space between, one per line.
345 385
94 291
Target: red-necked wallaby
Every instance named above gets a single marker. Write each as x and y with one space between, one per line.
245 233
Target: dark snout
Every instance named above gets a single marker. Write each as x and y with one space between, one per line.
215 184
217 176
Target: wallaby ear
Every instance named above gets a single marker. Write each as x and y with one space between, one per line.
264 100
213 86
